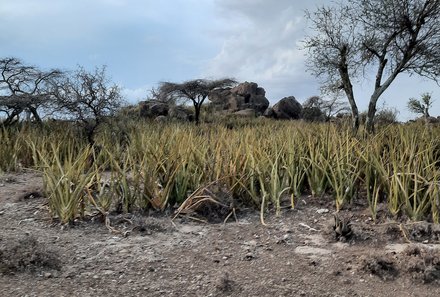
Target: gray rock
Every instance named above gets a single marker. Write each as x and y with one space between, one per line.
244 96
153 109
180 113
287 108
161 119
245 113
269 113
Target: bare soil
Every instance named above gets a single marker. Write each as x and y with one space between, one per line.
297 254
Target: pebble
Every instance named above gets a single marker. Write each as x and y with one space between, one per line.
108 272
322 210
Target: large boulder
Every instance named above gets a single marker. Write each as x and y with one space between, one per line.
247 95
269 113
153 109
161 119
245 113
287 108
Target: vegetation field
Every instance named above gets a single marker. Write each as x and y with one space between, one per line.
262 164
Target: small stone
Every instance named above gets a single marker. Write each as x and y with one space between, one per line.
251 243
47 275
322 210
108 272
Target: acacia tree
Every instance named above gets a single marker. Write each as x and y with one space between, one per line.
195 90
421 106
88 97
24 89
385 38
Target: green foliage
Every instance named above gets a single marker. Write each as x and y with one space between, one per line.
421 106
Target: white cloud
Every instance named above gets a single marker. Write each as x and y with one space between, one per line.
262 45
135 95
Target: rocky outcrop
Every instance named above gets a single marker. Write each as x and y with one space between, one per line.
161 119
245 113
269 113
287 108
247 95
181 113
153 109
432 120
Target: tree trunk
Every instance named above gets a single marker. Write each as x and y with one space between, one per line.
348 88
197 108
90 129
369 123
354 109
426 112
34 112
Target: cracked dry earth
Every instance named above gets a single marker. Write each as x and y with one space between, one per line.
296 254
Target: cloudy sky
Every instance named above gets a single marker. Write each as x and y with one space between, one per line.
144 42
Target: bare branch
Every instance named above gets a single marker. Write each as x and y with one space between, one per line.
388 37
24 88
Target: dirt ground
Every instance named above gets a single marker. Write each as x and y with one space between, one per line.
296 254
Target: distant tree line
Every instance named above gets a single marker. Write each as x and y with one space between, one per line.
26 91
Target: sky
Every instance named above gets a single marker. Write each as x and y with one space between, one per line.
145 42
